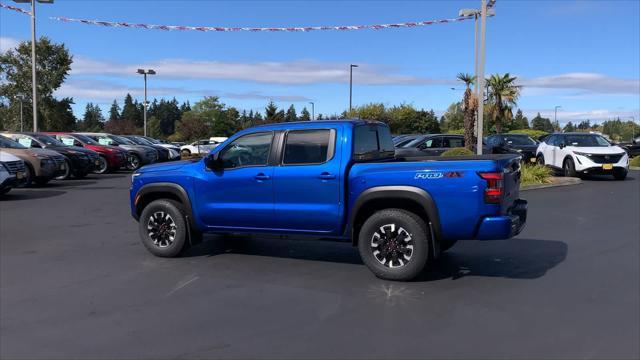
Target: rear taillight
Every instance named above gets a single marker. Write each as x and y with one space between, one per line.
495 187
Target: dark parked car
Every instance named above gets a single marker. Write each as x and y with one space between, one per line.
632 148
163 153
400 140
138 154
79 161
510 143
430 145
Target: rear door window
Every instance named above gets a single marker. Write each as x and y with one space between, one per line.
308 147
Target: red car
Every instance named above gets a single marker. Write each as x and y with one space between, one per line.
111 157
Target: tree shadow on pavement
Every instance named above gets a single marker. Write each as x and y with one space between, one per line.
515 259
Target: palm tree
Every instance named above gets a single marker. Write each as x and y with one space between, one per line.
469 106
503 94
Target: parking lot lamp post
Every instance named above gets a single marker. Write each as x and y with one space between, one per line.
351 84
33 56
146 103
313 115
479 43
555 115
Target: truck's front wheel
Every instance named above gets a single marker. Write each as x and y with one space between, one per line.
394 244
163 228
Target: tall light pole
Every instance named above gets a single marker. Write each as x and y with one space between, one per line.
146 103
351 84
313 115
480 41
555 115
34 80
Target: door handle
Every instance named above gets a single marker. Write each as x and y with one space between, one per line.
261 177
326 176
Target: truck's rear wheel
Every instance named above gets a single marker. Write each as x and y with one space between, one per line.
394 244
163 228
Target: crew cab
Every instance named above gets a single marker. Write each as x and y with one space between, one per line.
330 179
578 154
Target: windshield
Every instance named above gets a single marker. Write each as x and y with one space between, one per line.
48 140
121 140
585 140
10 144
142 141
519 140
152 140
86 139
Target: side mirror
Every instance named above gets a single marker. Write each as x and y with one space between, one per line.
562 145
213 162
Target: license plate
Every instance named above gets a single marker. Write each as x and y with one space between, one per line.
19 175
532 160
607 166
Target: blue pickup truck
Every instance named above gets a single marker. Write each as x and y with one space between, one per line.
330 179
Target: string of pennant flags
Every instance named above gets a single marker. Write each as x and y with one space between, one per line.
16 9
238 29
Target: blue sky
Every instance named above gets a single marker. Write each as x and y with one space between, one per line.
582 55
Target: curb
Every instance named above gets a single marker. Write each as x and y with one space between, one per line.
634 167
555 182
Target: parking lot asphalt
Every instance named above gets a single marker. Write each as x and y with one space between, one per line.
75 282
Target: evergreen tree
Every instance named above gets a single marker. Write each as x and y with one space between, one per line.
131 111
92 119
114 111
520 121
305 115
185 107
272 114
569 127
320 117
291 114
542 124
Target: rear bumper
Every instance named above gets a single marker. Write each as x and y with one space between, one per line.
504 226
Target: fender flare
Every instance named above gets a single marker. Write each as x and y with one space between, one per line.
164 188
412 193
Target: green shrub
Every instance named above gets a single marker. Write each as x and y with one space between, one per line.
457 152
635 161
535 174
533 133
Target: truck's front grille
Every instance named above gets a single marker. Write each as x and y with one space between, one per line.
15 166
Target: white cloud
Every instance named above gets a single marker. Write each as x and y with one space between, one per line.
302 72
99 90
597 115
7 43
96 90
586 82
260 96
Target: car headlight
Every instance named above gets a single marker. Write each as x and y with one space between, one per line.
582 153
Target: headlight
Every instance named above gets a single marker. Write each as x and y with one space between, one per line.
173 154
4 168
581 153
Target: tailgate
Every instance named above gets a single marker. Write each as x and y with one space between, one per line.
512 173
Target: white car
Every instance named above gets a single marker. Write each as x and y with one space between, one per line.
201 146
12 171
581 154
